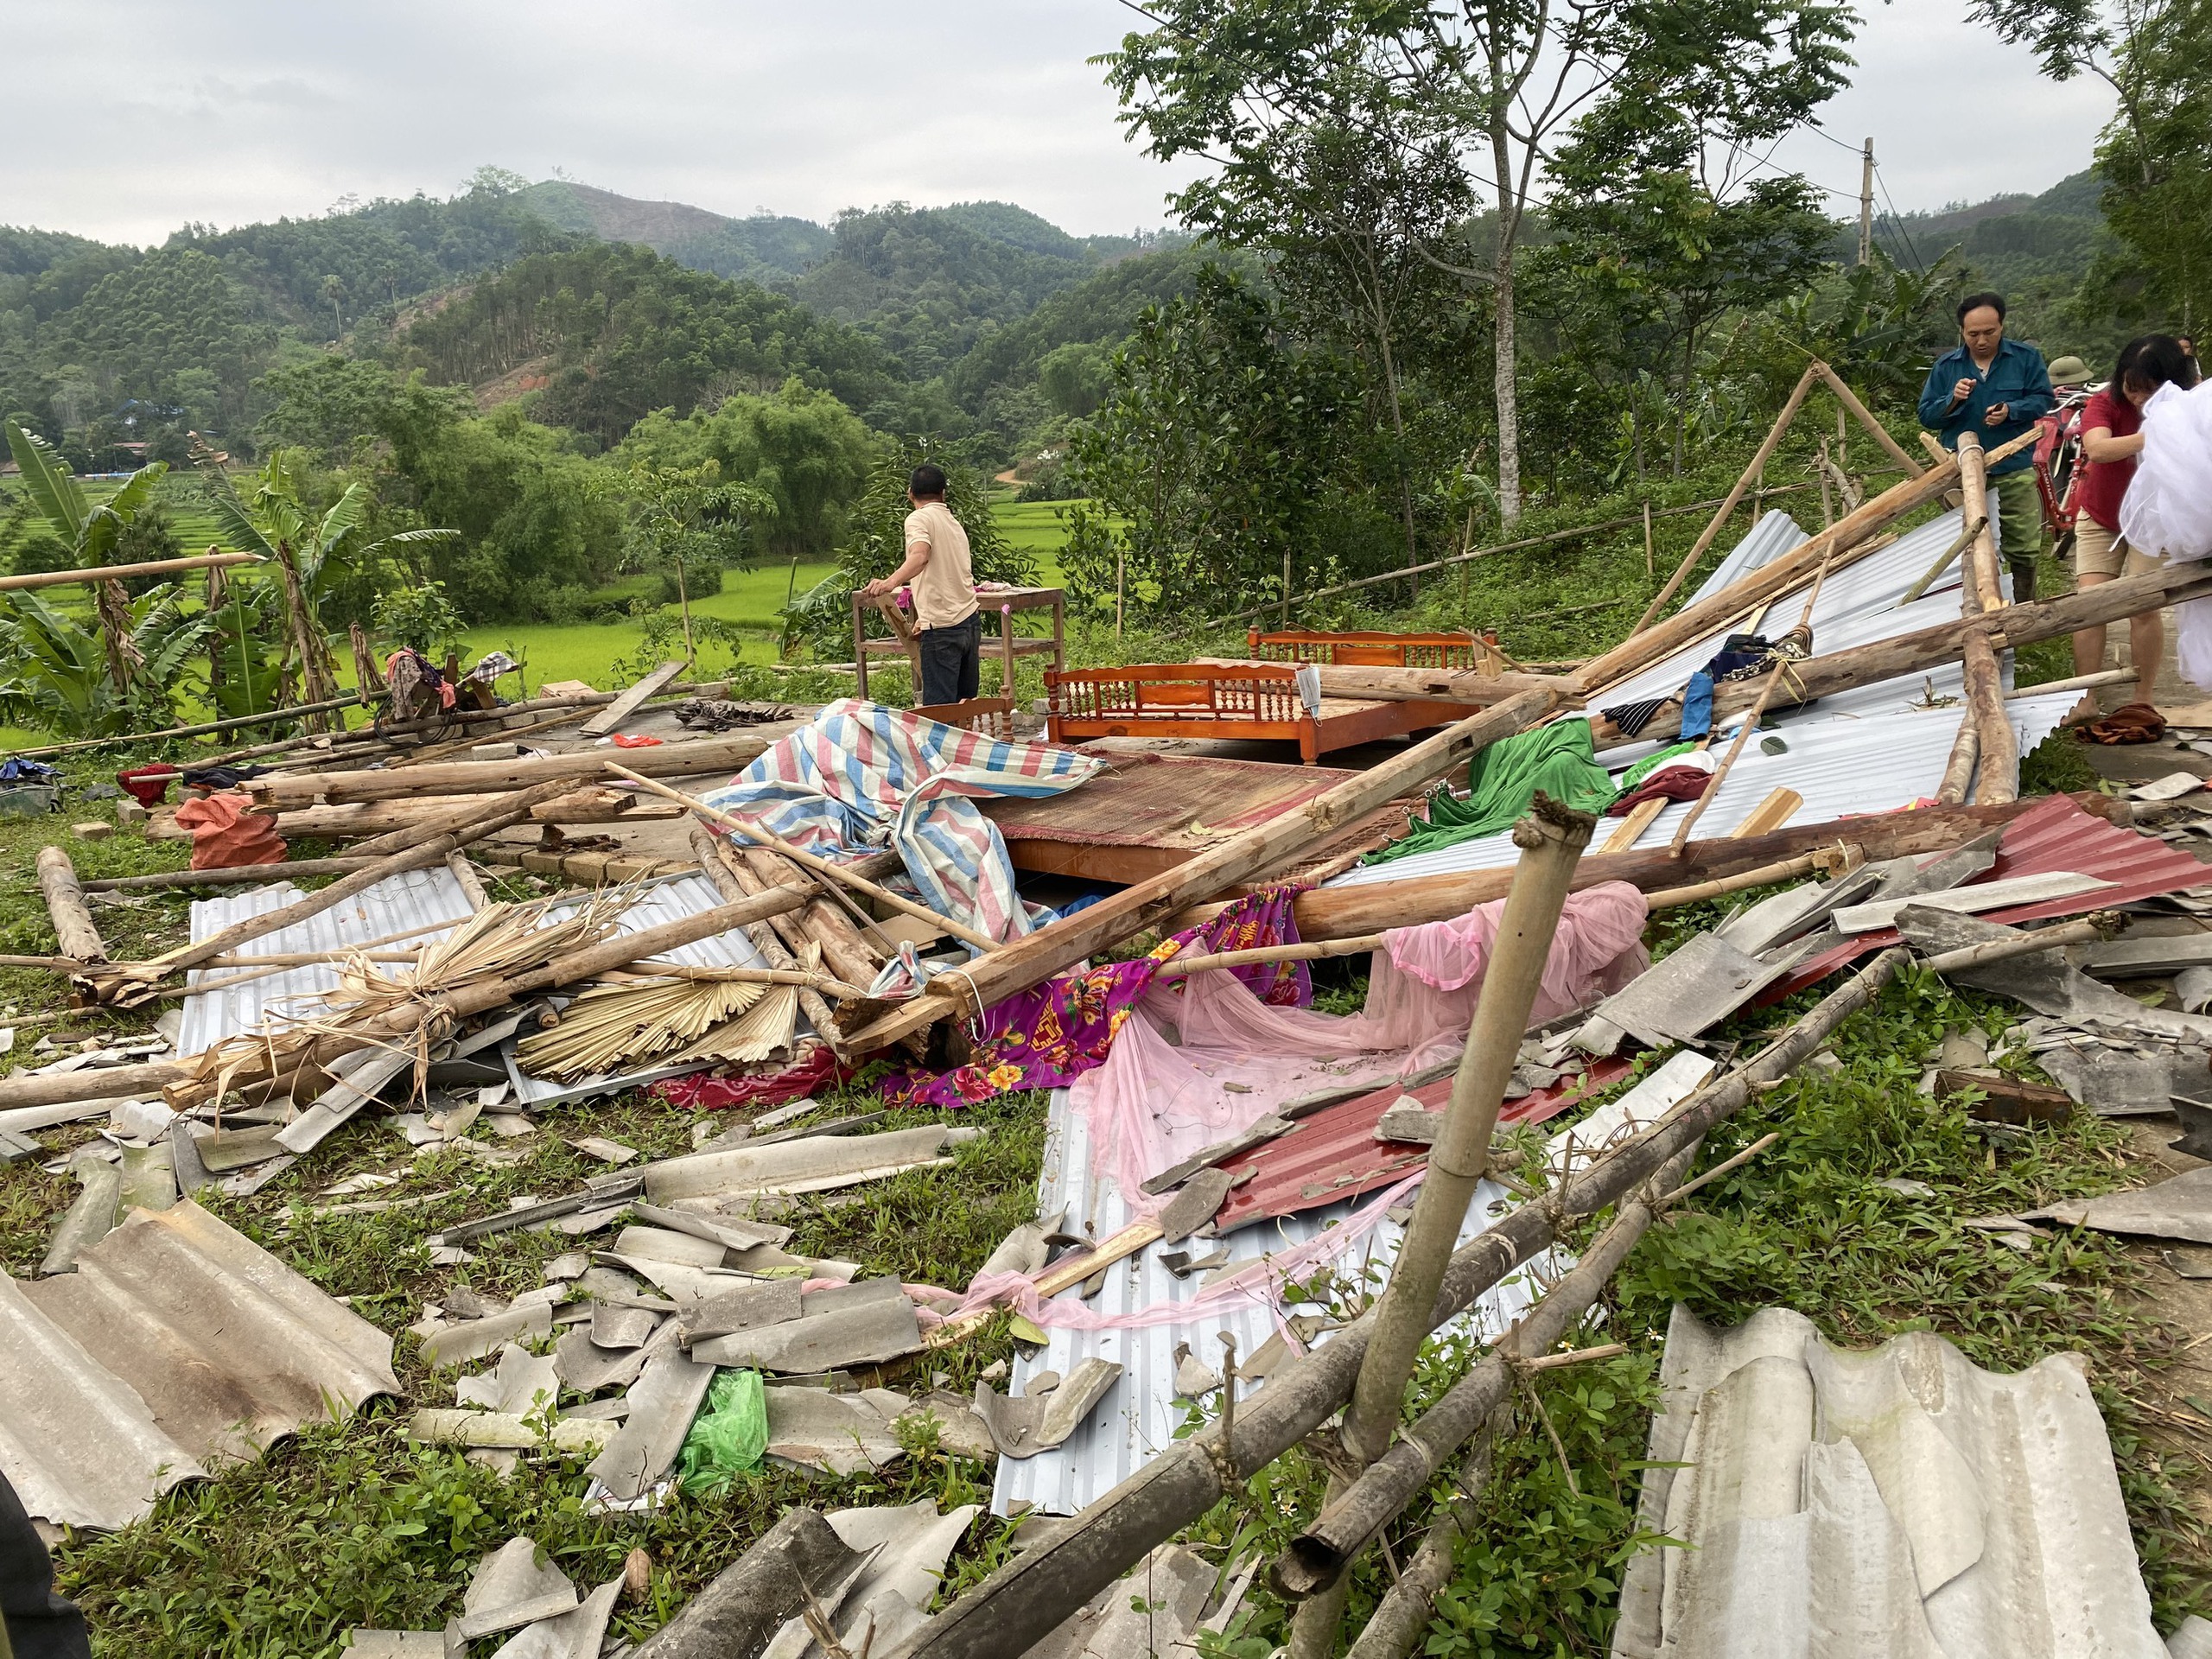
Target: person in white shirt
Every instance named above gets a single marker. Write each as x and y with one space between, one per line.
950 625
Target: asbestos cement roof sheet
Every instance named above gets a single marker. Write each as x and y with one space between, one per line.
1842 765
1139 1416
2054 835
432 900
176 1345
1832 1504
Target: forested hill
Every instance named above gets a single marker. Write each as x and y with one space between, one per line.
606 304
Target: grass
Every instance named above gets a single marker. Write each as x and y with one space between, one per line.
352 1524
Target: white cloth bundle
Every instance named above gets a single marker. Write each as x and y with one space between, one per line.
2167 511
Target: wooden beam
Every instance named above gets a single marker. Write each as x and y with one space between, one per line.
495 777
1258 851
274 717
1831 546
1346 912
1384 684
1757 465
65 903
585 805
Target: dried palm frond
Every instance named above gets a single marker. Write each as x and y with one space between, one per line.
499 941
634 1021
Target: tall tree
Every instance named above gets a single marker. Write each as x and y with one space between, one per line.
1492 87
2156 155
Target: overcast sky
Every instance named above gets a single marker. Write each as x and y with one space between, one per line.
128 118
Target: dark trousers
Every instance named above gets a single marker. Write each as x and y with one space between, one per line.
952 661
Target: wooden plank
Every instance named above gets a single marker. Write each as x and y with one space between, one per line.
610 718
1638 820
1770 814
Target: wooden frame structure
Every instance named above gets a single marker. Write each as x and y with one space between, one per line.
1005 645
993 716
1461 651
1256 702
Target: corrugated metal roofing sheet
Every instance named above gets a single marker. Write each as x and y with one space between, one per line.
1334 1155
1140 1415
429 899
1843 765
1899 1502
175 1345
2052 835
1775 533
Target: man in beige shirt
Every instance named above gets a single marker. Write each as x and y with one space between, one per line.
943 581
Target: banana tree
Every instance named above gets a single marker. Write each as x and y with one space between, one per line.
271 518
56 672
90 532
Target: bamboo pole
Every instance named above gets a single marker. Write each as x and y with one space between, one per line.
1313 1567
238 876
1551 839
1749 725
1270 845
1932 647
763 938
1574 533
1958 770
1844 395
1006 1613
123 572
1767 447
1964 540
65 903
274 717
1847 539
822 867
1346 912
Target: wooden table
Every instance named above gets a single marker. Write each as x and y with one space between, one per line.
1003 603
1252 700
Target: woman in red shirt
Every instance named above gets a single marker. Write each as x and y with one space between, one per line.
2111 437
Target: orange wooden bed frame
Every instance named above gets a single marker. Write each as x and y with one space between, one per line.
1257 702
1375 650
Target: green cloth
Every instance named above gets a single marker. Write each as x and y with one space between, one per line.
1503 779
728 1437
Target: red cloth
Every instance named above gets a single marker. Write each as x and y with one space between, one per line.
2104 482
149 785
1668 784
228 833
624 741
815 1070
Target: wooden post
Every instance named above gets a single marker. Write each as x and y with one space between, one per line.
1958 771
1285 589
1757 467
1551 839
1271 846
65 903
694 757
1121 574
1998 779
1827 506
1650 568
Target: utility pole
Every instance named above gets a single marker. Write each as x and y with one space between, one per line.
1866 205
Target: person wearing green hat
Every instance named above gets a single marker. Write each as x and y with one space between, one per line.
2069 374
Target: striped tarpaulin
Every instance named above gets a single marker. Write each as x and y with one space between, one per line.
863 777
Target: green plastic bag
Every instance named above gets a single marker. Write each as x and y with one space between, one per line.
728 1437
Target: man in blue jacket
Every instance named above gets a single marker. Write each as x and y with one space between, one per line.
1999 388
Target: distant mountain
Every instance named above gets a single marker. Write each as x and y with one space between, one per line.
763 248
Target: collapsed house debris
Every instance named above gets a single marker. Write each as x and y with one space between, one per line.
1239 1199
